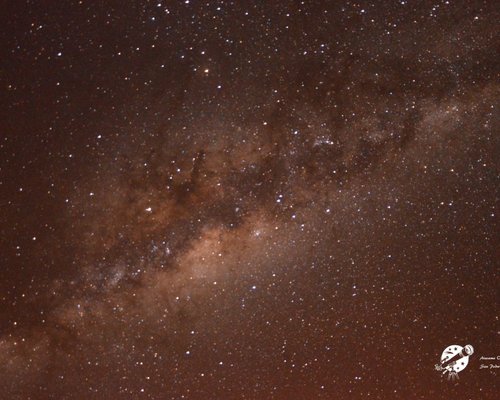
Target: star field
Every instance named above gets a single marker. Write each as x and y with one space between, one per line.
248 200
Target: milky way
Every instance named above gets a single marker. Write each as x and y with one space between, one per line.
248 200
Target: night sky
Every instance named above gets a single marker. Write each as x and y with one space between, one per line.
288 200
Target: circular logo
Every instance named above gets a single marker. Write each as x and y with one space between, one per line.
454 360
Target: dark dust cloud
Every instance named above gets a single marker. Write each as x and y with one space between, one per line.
248 200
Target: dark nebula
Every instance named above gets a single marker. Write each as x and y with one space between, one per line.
248 200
